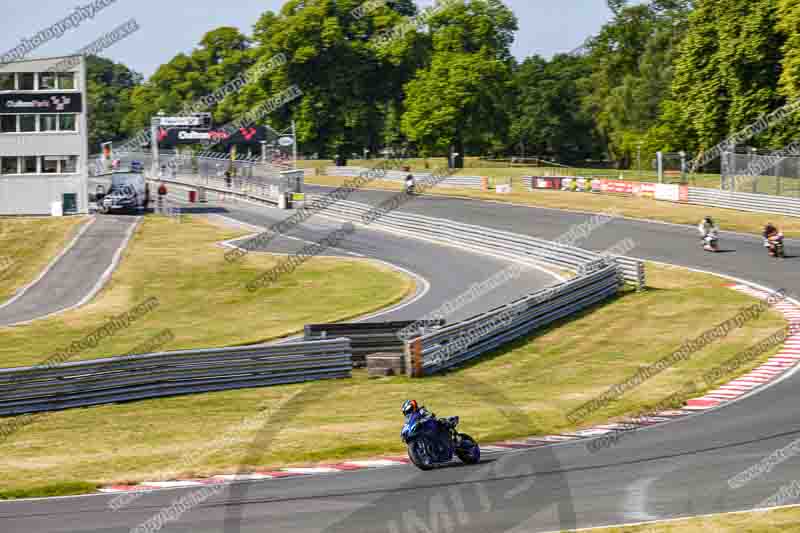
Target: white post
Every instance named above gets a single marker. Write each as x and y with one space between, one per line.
154 124
294 146
660 159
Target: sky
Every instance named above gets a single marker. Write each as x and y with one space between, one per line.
167 27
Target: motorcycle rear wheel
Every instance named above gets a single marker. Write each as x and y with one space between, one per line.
469 452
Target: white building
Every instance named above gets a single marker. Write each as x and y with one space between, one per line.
43 136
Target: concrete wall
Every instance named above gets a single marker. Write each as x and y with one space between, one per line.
31 194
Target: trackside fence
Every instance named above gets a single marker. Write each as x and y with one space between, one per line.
139 377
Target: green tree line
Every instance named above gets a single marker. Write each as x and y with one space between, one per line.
665 75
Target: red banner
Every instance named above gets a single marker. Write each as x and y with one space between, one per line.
616 186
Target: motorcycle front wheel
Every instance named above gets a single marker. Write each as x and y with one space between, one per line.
418 456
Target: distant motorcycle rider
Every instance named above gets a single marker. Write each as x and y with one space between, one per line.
771 232
773 240
706 226
410 184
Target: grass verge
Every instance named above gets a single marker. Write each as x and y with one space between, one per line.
728 219
772 521
537 380
27 245
203 299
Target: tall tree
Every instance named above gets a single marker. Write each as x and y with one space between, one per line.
458 98
727 72
221 55
548 119
109 98
345 84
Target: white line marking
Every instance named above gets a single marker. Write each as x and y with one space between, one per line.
52 263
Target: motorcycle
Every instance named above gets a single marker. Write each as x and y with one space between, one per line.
410 189
433 442
775 246
711 242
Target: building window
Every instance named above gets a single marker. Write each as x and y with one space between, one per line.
29 165
27 81
66 81
47 80
8 123
9 165
67 122
48 122
27 123
69 165
7 82
49 165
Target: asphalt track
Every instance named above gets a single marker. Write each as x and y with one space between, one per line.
678 469
449 271
75 276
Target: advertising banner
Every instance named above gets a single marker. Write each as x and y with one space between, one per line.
616 186
41 103
668 192
647 190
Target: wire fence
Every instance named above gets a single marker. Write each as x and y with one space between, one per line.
773 173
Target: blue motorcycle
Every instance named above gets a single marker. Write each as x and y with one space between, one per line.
432 442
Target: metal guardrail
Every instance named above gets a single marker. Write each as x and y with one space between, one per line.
631 271
366 337
760 203
138 377
464 182
599 277
513 246
452 346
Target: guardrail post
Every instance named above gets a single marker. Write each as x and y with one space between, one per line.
641 275
413 358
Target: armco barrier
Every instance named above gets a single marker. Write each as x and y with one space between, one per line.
513 246
456 344
138 377
598 278
463 182
366 337
760 203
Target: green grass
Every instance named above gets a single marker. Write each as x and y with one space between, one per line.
522 390
202 297
27 245
773 521
67 488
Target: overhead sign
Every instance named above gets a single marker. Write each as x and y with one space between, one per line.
180 121
171 137
244 136
41 103
251 136
286 141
